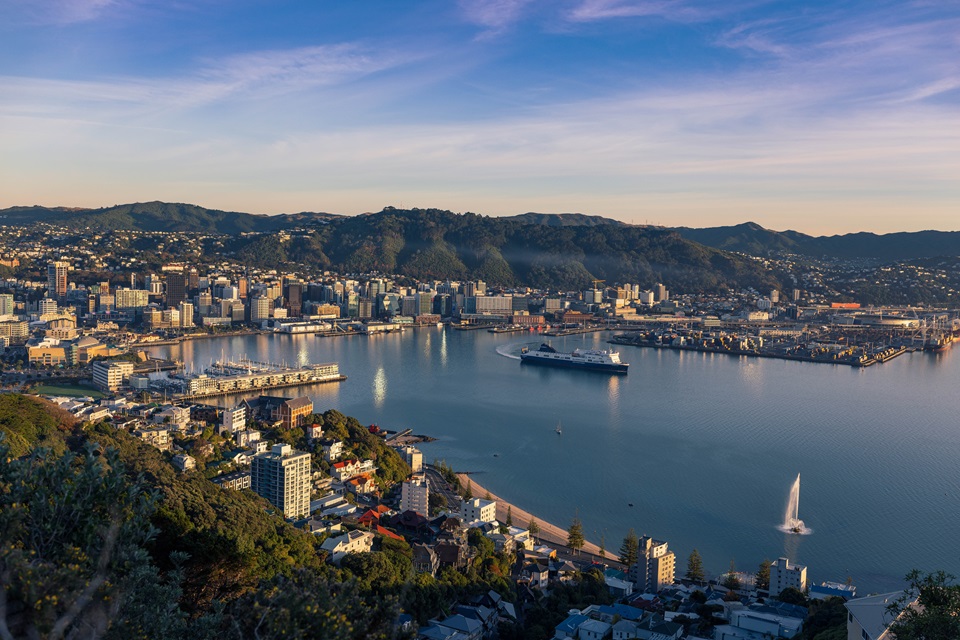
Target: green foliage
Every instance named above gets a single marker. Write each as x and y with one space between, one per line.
480 542
695 567
231 542
31 422
307 605
731 580
448 474
937 614
763 575
544 616
533 527
630 549
791 595
72 557
824 618
438 502
575 539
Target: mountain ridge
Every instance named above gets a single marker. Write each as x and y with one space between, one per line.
747 237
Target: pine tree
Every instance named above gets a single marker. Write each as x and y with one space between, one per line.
487 496
509 516
695 567
630 549
468 492
603 547
533 527
575 535
763 575
732 581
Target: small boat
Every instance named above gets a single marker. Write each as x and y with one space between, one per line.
629 504
559 430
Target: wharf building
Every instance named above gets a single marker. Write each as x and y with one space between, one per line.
784 574
655 567
282 476
207 385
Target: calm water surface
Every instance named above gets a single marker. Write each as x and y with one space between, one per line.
704 446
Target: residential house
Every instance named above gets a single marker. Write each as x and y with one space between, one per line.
425 559
158 437
594 630
183 463
535 574
332 449
351 542
235 480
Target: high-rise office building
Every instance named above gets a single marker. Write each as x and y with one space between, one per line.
176 289
57 279
282 476
293 295
260 309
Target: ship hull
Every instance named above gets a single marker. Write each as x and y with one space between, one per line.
616 369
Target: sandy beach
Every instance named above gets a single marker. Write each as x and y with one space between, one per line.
548 532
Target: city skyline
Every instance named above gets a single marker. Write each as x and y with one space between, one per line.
823 119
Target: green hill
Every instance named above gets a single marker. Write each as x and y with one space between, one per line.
436 244
160 216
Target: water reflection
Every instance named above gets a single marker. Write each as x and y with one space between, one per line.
303 356
379 387
443 347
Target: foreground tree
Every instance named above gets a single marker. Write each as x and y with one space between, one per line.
575 538
72 557
308 606
630 549
937 611
695 567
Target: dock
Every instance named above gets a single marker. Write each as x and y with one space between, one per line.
560 332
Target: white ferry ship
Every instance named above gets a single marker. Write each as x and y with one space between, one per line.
601 360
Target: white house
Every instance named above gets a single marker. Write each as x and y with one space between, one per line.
478 509
350 542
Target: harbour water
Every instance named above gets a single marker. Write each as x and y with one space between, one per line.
705 446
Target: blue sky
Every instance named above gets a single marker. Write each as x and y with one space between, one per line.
821 117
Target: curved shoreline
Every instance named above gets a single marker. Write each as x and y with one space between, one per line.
549 532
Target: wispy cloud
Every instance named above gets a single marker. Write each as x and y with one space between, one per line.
59 12
678 10
494 15
255 75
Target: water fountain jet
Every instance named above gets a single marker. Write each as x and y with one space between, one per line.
791 517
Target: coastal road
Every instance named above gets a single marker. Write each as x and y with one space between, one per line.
437 484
